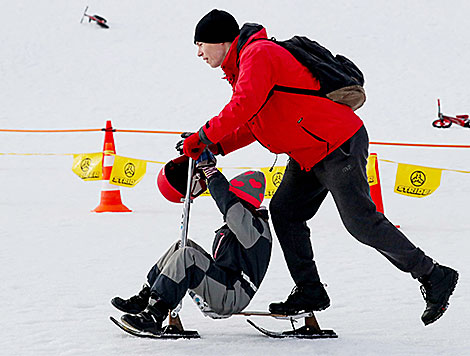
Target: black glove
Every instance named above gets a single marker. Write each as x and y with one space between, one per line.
206 162
179 144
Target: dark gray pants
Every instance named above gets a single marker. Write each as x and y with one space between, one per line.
191 267
343 174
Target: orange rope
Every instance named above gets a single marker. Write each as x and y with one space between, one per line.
39 131
150 131
180 132
418 145
92 130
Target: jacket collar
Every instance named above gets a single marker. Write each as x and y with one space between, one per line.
248 33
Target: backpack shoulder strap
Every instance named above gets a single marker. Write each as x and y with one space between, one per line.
272 39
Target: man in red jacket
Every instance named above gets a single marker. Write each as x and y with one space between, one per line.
328 148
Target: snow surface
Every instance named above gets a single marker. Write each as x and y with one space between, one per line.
61 264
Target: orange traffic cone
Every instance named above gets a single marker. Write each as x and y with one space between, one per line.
110 194
374 183
375 187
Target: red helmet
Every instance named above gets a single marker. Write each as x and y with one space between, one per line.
173 178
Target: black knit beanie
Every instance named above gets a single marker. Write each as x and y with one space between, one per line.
217 26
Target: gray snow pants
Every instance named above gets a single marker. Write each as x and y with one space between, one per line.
343 174
191 267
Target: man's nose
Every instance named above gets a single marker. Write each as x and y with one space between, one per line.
199 52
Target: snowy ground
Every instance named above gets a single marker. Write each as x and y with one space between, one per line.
61 264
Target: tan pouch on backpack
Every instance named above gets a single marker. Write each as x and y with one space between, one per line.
353 96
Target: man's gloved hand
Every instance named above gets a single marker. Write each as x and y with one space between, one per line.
207 162
179 144
192 146
215 148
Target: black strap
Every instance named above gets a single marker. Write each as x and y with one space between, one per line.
272 39
301 91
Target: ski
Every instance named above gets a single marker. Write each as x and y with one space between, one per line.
169 332
305 332
309 331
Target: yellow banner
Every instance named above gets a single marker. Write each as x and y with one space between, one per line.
417 181
127 172
88 166
273 179
371 173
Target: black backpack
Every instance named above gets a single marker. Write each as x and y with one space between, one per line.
340 79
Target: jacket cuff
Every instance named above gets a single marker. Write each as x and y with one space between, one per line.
203 137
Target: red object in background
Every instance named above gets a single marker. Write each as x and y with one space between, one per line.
376 189
444 121
100 21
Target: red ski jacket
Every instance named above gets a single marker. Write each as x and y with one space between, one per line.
305 127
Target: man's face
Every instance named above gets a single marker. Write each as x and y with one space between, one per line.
212 53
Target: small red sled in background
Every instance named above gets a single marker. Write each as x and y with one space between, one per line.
444 121
100 21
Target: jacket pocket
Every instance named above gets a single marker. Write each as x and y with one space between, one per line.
318 138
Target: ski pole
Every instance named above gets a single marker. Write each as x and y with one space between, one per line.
185 220
187 204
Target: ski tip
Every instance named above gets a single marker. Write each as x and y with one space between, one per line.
251 323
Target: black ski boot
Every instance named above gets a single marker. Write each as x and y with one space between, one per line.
151 319
437 287
305 298
135 304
